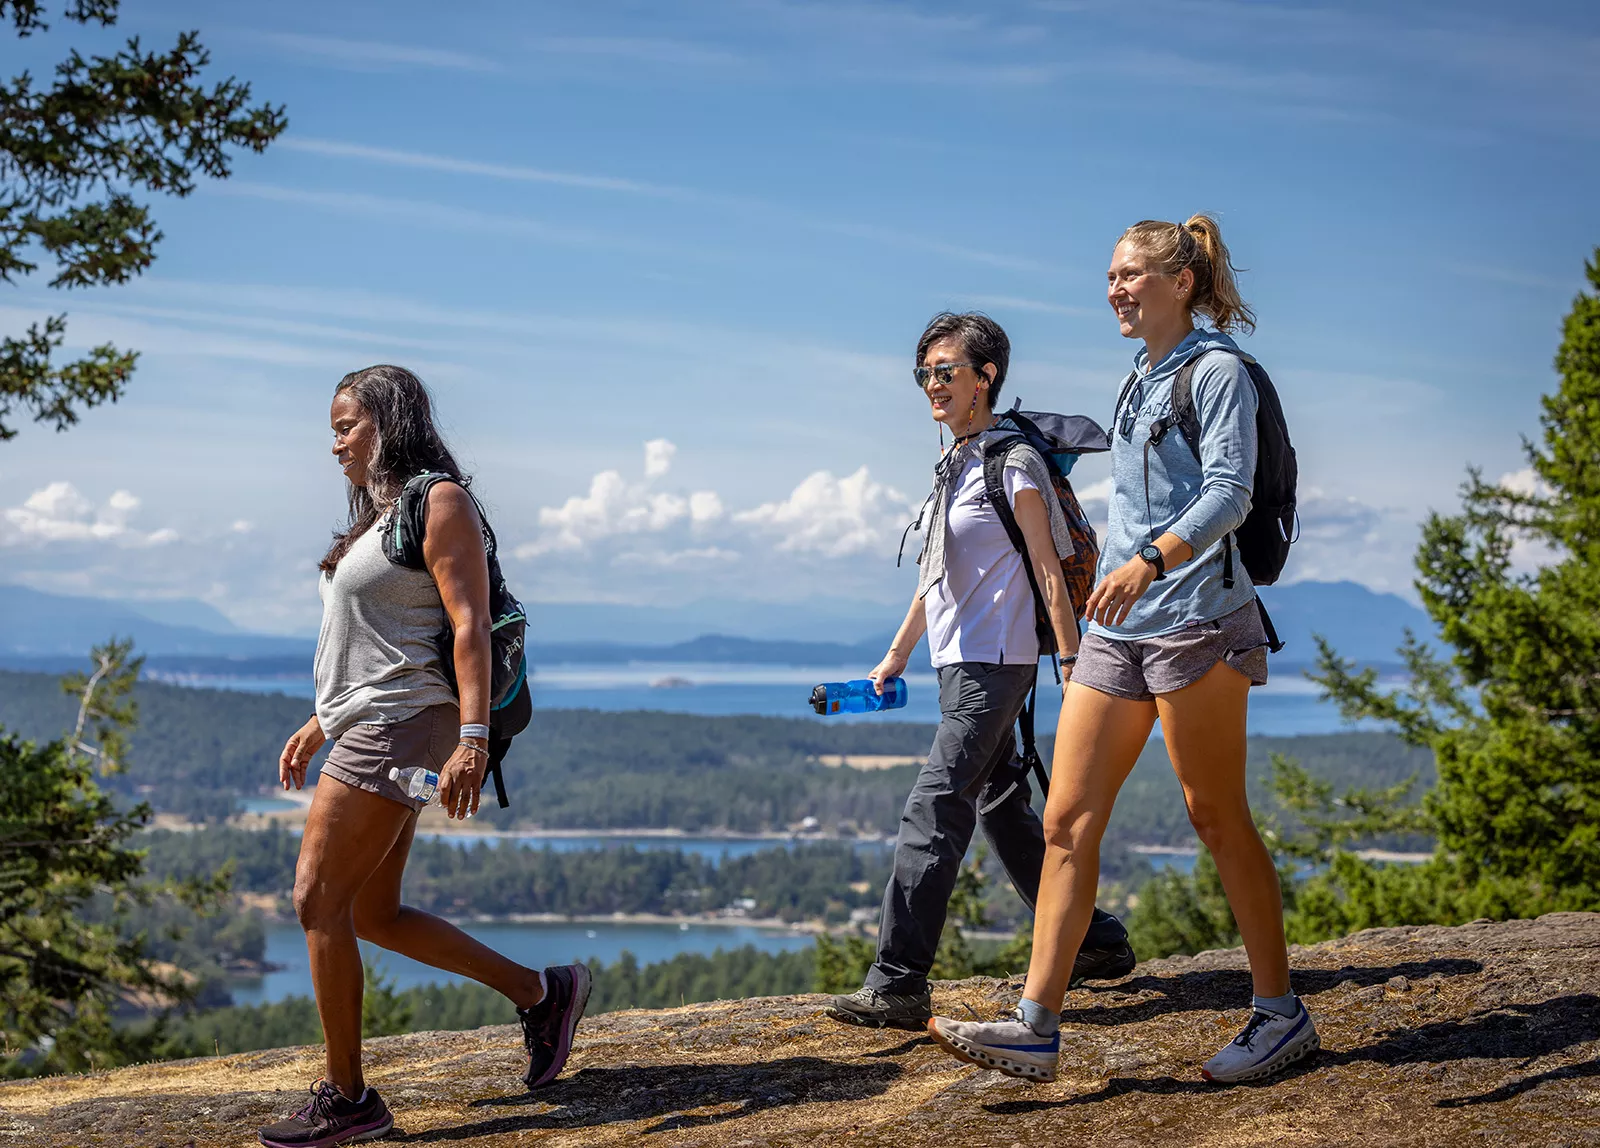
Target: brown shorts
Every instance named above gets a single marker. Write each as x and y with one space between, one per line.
364 754
1141 668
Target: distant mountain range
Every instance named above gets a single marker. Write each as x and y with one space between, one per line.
53 632
40 626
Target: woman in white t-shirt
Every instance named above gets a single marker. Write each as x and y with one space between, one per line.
976 605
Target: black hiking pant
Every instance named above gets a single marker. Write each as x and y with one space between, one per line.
973 760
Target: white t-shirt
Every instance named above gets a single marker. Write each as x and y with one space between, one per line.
982 609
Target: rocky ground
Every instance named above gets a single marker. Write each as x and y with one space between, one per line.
1485 1034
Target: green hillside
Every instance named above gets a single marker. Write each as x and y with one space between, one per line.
197 752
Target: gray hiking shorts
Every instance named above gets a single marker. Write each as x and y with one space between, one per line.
1140 668
364 754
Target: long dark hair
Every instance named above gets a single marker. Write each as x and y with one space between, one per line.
407 444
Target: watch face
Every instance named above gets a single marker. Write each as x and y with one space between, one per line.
1150 554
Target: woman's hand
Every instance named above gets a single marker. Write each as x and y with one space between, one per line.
892 666
298 752
1119 590
461 780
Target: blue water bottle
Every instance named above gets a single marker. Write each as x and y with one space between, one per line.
858 697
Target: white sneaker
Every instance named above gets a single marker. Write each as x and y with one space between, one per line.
1009 1046
1268 1043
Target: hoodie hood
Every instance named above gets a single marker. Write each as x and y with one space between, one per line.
1196 342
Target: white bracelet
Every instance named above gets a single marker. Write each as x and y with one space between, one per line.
475 730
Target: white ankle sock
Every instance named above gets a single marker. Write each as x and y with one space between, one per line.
1285 1006
1040 1019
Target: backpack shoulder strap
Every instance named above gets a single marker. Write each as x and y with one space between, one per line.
1183 408
994 486
1030 745
402 541
1122 396
1188 420
1183 405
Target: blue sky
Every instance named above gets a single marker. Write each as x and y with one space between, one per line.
717 228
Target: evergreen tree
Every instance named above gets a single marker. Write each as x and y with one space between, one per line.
384 1012
1512 714
1182 913
65 973
73 157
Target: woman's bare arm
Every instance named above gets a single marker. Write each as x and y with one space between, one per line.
905 640
454 554
1034 520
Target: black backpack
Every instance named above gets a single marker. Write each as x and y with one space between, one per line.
1272 525
510 699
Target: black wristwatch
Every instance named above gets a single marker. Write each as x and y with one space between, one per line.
1152 555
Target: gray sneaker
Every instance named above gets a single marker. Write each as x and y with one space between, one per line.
1268 1044
1008 1045
872 1009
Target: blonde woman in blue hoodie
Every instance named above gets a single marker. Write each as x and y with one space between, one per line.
1169 637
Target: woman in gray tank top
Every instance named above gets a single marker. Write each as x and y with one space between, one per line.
384 699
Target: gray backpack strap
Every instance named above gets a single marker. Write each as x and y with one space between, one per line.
1183 409
1187 418
1122 396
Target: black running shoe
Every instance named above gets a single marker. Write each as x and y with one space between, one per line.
548 1026
1103 964
872 1009
330 1118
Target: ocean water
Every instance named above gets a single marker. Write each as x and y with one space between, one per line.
535 944
1286 706
715 849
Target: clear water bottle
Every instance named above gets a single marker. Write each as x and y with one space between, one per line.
858 697
420 784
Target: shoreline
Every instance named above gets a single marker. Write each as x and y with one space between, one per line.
770 924
434 825
766 924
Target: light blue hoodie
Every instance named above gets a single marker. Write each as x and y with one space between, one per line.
1201 502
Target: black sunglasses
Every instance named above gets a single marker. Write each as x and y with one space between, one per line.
944 372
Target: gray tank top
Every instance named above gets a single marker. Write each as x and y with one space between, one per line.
377 654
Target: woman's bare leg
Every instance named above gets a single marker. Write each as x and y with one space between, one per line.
1098 741
383 920
1204 727
348 834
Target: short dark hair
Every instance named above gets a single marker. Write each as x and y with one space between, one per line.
982 339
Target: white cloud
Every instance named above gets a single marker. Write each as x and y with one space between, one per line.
1525 481
834 517
693 558
342 149
658 454
705 506
1345 539
614 506
676 53
454 218
443 216
58 512
639 538
375 55
1529 555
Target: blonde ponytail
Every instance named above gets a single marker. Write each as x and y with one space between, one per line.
1197 245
